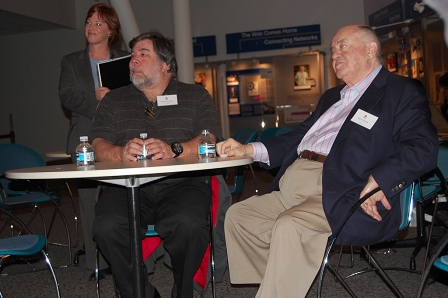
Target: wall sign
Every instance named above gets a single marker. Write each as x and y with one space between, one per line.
389 14
273 39
204 46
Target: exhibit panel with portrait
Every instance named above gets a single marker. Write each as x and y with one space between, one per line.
302 78
299 83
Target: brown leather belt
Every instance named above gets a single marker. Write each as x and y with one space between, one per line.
305 154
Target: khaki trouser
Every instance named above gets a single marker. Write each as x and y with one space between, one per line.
279 239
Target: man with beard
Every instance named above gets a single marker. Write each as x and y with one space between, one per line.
173 114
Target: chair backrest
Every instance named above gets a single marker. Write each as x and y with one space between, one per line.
282 131
269 133
246 135
11 135
17 156
406 205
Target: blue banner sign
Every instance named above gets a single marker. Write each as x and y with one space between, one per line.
273 39
389 14
204 46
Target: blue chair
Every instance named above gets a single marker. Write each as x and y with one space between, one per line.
268 133
282 131
24 245
406 204
18 195
437 260
429 188
244 136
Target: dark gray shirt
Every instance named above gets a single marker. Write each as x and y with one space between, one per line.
121 115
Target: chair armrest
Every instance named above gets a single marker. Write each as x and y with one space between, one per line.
354 208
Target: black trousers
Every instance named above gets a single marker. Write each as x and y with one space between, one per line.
179 208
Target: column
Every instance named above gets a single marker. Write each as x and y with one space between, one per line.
129 27
183 40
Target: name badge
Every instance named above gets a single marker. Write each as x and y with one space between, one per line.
167 100
364 119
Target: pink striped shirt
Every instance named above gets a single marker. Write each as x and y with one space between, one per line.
322 134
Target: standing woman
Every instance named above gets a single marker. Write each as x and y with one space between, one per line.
79 92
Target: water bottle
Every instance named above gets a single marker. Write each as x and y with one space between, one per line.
144 154
85 157
206 146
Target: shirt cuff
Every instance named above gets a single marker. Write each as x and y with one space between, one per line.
260 152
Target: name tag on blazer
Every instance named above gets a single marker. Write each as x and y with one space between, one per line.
364 119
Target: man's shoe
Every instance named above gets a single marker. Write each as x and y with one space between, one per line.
101 274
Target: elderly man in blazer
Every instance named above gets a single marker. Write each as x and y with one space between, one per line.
373 131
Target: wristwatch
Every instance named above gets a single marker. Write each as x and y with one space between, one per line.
177 149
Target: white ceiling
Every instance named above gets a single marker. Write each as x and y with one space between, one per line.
11 23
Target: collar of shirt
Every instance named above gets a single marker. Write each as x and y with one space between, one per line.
320 137
361 86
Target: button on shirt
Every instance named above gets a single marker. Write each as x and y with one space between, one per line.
322 134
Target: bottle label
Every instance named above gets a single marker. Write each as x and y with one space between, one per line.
79 157
207 149
85 157
89 156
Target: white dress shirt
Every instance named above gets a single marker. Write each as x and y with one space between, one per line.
320 137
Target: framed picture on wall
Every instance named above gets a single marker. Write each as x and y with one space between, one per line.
302 79
200 79
392 62
414 68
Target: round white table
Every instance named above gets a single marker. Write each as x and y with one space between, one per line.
132 175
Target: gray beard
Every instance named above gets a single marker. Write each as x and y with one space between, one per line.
142 83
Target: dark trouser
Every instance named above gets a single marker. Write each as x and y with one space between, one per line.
179 209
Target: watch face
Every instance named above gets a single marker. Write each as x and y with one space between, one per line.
177 148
